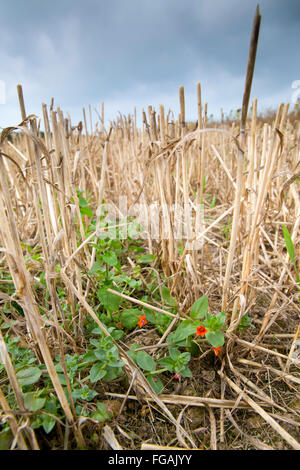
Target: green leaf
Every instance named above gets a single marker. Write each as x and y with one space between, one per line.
155 383
100 354
185 371
199 308
110 258
213 202
215 322
97 331
84 393
185 329
90 356
184 357
110 301
62 379
112 373
245 323
166 295
291 251
116 363
168 363
174 353
97 372
97 266
289 243
33 402
116 333
48 421
146 259
145 361
102 414
87 211
87 393
82 201
28 375
84 209
131 353
215 338
130 317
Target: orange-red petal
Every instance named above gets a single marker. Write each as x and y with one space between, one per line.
217 350
201 331
142 320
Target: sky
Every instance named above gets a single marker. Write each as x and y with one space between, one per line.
135 53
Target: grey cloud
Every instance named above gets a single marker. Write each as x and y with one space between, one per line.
82 52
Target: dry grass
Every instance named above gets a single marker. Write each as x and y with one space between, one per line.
163 163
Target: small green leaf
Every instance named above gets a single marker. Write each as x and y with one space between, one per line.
87 211
215 322
102 414
131 353
291 251
146 259
156 384
97 266
116 333
85 393
48 421
110 301
112 373
88 394
62 379
28 375
184 357
33 402
174 353
199 308
168 363
130 317
185 329
100 354
116 363
110 258
82 201
97 372
145 361
221 318
84 209
245 323
167 297
185 372
213 202
289 243
215 338
90 356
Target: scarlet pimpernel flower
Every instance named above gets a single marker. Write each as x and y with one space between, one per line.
217 350
201 331
142 320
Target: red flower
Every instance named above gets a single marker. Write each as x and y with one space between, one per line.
142 320
201 331
176 377
217 350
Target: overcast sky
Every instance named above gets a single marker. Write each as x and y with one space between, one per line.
139 52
